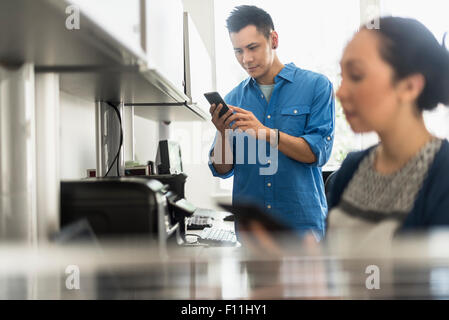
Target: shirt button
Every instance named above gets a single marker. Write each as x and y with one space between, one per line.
269 184
295 111
261 96
269 206
269 117
269 161
328 138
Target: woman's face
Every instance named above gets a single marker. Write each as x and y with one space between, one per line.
367 92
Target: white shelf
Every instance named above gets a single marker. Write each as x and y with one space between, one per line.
92 63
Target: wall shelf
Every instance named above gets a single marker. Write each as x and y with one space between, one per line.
92 63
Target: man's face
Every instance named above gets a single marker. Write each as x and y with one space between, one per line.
253 51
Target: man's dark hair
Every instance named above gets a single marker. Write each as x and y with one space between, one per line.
243 16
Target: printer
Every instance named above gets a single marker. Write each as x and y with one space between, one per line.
125 207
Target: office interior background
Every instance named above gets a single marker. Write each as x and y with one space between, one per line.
312 35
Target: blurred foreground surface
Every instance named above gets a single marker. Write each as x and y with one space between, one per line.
415 267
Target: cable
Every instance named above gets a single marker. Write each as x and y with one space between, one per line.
121 140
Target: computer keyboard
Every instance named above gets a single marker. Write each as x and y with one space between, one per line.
218 237
199 222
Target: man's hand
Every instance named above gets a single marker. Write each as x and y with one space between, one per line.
222 123
248 123
220 156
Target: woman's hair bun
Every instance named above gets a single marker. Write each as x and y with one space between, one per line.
409 47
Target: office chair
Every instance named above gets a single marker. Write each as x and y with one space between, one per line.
327 190
328 184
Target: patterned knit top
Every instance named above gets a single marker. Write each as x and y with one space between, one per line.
372 197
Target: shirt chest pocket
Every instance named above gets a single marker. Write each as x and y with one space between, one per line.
294 119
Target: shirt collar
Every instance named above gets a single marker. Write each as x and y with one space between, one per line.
286 73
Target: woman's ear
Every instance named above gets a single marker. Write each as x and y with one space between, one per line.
411 87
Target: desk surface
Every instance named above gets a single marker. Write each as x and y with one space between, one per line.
417 268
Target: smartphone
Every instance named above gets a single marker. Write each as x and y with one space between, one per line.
215 98
245 213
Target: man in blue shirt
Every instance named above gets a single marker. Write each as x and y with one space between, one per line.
287 109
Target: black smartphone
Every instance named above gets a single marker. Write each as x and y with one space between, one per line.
215 98
244 213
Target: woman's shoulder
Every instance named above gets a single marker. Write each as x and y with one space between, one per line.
345 173
440 168
354 158
444 151
432 206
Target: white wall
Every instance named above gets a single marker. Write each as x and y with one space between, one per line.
77 136
77 133
77 150
195 138
78 128
146 138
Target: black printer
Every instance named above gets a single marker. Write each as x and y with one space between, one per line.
118 207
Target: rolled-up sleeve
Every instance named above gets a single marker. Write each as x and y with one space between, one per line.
319 131
215 173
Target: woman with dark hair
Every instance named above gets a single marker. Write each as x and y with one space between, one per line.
390 76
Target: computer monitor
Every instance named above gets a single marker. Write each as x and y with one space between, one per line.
168 157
